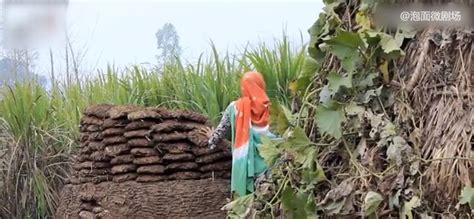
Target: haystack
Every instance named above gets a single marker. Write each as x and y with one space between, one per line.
437 104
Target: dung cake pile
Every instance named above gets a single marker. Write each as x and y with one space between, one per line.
146 144
92 164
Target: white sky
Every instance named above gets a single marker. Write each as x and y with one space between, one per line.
123 32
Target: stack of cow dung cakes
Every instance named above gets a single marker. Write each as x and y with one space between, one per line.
92 163
213 163
177 139
116 143
147 159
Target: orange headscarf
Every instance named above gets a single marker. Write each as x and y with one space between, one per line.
252 107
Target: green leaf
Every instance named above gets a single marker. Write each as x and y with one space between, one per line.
313 177
345 47
409 206
268 151
240 207
347 39
467 196
329 120
278 117
294 204
298 138
371 202
335 81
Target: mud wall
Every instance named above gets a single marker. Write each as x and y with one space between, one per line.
145 162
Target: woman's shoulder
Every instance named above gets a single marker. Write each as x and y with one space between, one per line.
231 104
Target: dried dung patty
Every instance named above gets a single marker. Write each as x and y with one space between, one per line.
85 150
143 114
124 168
178 157
122 159
140 124
82 158
184 115
144 152
98 110
141 133
154 169
114 131
100 156
210 158
83 136
219 166
147 160
124 177
172 125
172 167
197 138
170 137
110 123
90 165
200 151
216 174
96 136
114 140
95 179
122 111
183 175
91 120
96 145
93 128
139 142
175 147
151 178
94 172
117 149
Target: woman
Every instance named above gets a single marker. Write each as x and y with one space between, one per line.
248 119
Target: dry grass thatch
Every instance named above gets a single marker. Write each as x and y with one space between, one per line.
437 77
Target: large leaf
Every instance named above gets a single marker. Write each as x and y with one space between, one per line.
268 150
371 202
294 204
335 81
345 47
278 118
298 138
467 197
329 120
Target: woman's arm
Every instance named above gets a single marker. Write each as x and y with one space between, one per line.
221 130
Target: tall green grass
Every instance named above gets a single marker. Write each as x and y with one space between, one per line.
43 124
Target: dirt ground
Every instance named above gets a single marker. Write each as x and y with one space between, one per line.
168 199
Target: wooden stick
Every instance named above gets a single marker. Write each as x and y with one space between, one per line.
421 59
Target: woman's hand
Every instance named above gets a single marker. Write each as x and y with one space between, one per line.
206 131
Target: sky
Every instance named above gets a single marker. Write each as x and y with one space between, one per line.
123 32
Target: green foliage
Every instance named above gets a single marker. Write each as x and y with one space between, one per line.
467 196
330 120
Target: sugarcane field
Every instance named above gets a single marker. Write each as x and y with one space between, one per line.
237 109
